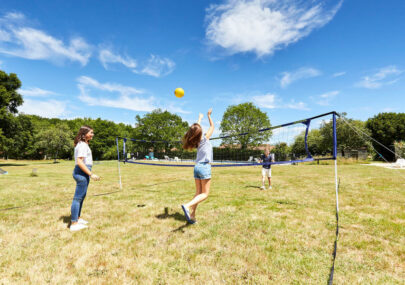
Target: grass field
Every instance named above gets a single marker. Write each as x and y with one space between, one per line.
243 236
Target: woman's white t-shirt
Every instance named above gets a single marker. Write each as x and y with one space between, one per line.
82 149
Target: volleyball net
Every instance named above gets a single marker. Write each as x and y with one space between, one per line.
290 143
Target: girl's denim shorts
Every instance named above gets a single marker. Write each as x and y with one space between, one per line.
202 170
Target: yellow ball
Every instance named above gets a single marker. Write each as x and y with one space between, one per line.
179 92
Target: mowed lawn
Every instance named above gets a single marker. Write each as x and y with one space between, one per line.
243 236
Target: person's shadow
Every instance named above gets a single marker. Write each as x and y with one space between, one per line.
177 216
252 186
66 220
181 228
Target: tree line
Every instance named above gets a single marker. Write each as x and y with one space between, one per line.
25 136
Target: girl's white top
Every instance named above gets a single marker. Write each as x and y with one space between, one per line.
82 149
204 151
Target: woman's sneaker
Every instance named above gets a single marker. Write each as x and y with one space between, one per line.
82 222
77 227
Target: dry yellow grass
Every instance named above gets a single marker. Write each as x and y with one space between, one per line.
243 236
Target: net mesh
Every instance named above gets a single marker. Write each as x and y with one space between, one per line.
300 141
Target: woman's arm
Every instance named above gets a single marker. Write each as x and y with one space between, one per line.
84 168
200 116
211 129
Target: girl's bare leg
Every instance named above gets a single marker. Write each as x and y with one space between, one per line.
198 190
205 191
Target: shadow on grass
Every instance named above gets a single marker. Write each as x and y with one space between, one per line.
285 202
25 164
252 186
107 193
11 208
177 216
11 164
160 183
181 228
41 163
66 220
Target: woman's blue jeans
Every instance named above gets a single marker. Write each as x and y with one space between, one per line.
82 182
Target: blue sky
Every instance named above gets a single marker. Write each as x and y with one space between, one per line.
293 59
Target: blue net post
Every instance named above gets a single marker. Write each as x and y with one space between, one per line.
124 150
334 137
118 150
332 269
118 159
307 122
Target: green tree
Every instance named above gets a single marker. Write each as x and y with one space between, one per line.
387 128
103 143
347 137
10 99
399 149
160 125
281 151
23 136
55 140
244 118
315 142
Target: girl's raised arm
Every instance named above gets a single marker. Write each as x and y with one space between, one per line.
200 116
211 129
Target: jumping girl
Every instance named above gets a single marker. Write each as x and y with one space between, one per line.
194 138
82 174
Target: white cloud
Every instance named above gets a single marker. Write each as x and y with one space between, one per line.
338 74
174 108
296 105
124 102
106 56
157 66
14 16
385 76
272 101
264 26
35 92
47 109
19 39
325 98
301 73
389 109
5 36
113 95
119 96
329 95
109 87
265 101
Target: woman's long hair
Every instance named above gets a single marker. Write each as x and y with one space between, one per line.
81 135
193 137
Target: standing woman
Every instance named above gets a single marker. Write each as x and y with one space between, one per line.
81 173
194 138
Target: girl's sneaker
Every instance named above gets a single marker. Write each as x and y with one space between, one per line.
82 222
186 214
77 227
269 187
